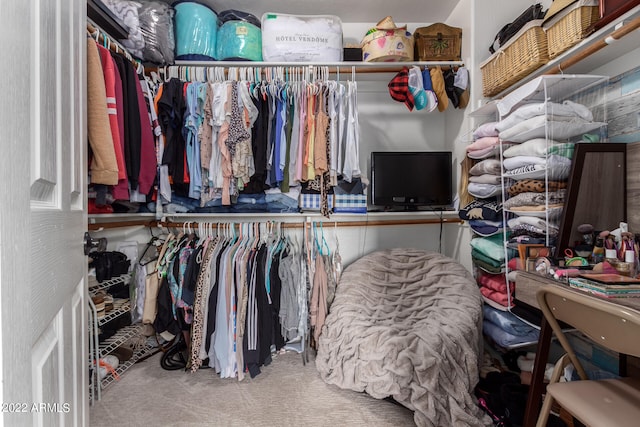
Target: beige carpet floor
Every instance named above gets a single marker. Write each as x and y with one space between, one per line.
286 393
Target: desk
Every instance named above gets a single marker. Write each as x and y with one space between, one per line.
526 286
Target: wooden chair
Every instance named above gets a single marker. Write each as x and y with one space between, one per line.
609 402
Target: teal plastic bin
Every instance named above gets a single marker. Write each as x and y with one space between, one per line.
196 28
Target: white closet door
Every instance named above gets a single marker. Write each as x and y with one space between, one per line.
43 341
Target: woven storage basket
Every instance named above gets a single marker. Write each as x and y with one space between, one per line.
523 54
569 27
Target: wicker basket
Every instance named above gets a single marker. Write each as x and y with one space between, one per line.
523 54
569 27
438 42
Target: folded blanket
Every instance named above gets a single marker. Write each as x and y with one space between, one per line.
495 282
485 129
535 199
485 228
483 191
557 128
533 230
481 256
483 153
530 220
506 339
486 266
491 246
556 168
530 236
487 166
520 161
527 111
535 185
540 147
498 297
482 143
489 209
537 147
486 179
507 321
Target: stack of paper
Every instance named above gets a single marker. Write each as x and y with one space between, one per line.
607 285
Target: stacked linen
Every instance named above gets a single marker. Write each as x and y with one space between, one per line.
493 288
488 254
537 168
484 209
539 120
531 225
490 249
532 203
485 142
505 329
484 179
484 183
552 167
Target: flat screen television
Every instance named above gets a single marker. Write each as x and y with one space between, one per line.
412 180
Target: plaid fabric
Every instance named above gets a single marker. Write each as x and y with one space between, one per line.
350 203
311 202
399 88
564 150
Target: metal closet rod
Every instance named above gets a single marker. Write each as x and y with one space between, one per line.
301 224
339 67
329 221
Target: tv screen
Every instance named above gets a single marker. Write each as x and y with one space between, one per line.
412 179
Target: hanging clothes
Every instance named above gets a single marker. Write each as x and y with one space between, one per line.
104 166
254 137
239 295
171 109
132 125
194 115
146 142
108 68
351 168
258 181
200 305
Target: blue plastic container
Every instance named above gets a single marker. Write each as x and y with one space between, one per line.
196 28
239 40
